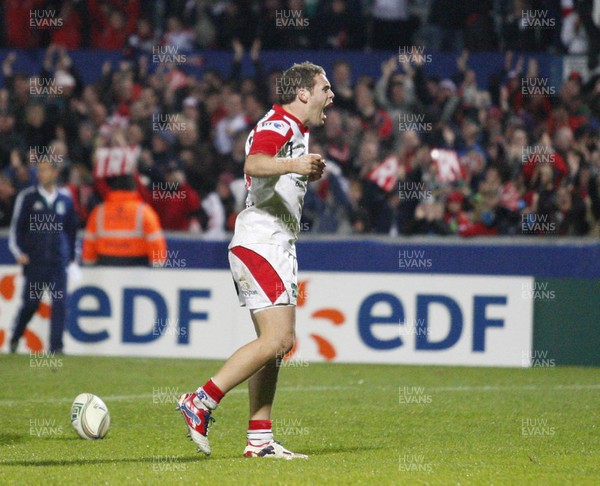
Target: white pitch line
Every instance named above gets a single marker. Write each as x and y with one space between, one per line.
116 398
321 388
511 387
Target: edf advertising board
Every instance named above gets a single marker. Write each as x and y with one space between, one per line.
341 316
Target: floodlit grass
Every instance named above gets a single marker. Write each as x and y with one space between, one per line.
360 424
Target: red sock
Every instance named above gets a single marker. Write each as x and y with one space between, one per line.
210 394
259 431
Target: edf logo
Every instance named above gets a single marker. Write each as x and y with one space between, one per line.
93 302
424 302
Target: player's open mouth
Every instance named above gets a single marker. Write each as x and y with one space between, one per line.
325 106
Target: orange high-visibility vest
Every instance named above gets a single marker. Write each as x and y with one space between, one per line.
124 230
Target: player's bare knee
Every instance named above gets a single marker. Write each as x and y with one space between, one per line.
287 343
278 345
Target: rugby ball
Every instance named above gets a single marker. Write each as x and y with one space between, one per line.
89 416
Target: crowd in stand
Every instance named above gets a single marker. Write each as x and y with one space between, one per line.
477 25
407 153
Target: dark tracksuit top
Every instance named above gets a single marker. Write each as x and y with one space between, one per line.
46 234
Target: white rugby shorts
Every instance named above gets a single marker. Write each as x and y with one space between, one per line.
264 275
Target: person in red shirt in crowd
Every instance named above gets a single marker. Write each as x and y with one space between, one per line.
69 33
80 186
18 28
456 219
372 116
545 153
175 201
114 22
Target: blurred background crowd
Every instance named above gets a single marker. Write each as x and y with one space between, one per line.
477 25
407 152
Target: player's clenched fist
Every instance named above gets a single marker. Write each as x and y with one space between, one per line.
311 165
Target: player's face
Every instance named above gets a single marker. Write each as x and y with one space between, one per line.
322 96
46 174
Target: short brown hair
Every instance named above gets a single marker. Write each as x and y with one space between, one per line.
298 76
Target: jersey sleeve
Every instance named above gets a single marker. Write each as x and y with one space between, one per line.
269 137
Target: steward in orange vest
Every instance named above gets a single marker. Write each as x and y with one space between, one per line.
124 230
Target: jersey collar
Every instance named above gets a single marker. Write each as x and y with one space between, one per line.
50 197
281 111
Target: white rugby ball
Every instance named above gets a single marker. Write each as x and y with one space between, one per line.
89 416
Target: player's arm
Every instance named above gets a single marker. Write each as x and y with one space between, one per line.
266 143
18 230
264 165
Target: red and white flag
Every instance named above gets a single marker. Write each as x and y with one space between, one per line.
115 161
447 164
385 175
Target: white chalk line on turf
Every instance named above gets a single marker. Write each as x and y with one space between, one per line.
468 388
321 388
116 398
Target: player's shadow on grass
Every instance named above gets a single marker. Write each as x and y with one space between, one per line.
83 462
69 437
309 452
176 460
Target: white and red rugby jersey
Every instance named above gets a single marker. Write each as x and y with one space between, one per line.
274 204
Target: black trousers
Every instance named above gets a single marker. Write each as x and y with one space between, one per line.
41 281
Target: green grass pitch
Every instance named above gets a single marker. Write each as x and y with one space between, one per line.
360 424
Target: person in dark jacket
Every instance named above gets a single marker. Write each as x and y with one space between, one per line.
42 239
